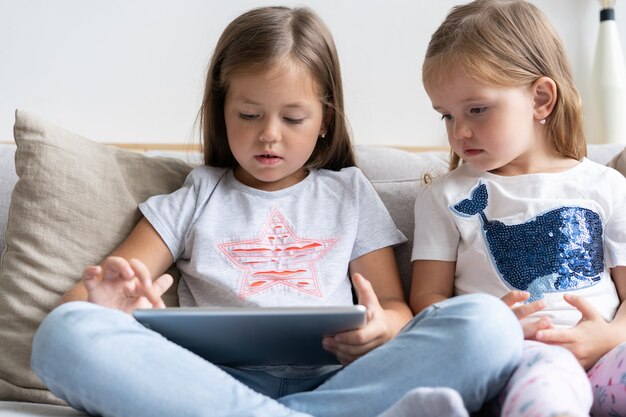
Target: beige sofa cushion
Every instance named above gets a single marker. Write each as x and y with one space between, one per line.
74 202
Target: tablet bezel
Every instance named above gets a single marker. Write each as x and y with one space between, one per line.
257 336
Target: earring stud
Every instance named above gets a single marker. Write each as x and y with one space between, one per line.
323 135
542 121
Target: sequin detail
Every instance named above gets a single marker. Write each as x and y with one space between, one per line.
558 250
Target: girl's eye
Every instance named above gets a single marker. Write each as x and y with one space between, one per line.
478 110
246 116
293 121
446 117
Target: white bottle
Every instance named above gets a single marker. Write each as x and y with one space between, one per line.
607 123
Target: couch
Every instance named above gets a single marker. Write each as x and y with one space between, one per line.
66 201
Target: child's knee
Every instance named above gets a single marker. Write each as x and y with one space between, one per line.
61 334
537 354
551 362
490 319
485 327
491 334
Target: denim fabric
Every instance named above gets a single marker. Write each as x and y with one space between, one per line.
104 362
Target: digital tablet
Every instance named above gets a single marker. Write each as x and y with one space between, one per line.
254 336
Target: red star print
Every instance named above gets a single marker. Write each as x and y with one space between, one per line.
278 256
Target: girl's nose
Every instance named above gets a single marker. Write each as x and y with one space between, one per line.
271 131
461 130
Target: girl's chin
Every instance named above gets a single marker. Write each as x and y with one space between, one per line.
484 166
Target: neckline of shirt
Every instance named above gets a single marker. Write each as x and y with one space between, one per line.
230 177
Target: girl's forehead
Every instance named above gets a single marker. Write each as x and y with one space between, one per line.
275 68
276 86
462 77
447 77
289 70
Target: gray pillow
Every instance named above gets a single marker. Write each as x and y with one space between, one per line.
397 176
618 162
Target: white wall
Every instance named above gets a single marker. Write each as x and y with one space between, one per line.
133 70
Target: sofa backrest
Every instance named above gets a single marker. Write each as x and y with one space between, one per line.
8 179
396 175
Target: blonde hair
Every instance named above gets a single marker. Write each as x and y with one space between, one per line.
263 38
509 43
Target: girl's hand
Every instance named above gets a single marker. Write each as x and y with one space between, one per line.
589 340
524 310
124 285
349 346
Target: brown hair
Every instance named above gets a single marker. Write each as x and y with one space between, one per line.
509 43
258 40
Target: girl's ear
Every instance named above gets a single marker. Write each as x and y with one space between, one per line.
544 97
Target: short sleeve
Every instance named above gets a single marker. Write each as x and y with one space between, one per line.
615 228
172 215
376 229
436 235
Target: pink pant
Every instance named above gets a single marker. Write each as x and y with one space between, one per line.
608 381
550 381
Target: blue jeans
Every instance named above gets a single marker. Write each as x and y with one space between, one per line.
103 362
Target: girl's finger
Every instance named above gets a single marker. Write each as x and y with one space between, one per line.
163 283
145 287
115 267
349 353
531 329
91 272
558 336
526 310
513 297
587 309
365 292
89 277
358 337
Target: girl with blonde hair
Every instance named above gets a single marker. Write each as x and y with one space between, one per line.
523 215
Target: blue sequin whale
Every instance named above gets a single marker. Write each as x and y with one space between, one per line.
558 250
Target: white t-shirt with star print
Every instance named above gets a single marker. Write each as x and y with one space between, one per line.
240 246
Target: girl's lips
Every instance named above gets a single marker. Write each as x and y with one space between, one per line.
267 159
472 152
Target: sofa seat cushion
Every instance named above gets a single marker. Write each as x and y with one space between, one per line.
21 409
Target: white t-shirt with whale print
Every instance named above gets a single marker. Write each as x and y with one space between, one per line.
546 233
